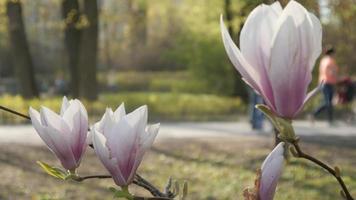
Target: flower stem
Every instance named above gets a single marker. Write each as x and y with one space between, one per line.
139 181
15 112
332 171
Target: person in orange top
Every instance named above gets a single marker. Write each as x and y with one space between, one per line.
328 75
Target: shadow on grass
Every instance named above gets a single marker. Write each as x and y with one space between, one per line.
250 163
331 140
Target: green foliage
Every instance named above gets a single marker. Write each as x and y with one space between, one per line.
284 126
155 81
162 106
53 171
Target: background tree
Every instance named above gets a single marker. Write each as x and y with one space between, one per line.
20 51
88 51
72 33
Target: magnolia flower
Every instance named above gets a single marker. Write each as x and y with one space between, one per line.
271 170
121 140
64 134
279 48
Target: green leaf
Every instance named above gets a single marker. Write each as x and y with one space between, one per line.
53 171
284 126
124 193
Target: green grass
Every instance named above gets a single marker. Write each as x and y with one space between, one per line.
162 106
154 81
215 168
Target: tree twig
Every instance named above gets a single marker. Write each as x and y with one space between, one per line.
139 181
332 171
15 112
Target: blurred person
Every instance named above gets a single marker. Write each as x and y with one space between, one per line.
328 75
256 116
60 85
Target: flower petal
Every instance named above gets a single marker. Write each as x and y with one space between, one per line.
61 148
52 119
271 172
35 119
123 143
138 119
256 37
120 112
251 76
290 59
150 135
65 105
76 119
110 163
254 76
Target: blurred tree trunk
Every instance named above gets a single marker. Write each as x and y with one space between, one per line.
137 11
138 22
72 34
88 51
20 51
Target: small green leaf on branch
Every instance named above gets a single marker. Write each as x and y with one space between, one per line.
284 126
53 171
124 193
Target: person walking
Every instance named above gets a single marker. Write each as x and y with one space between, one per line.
328 76
256 116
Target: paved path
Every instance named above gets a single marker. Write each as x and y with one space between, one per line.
25 134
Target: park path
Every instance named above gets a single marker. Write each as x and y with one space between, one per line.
25 134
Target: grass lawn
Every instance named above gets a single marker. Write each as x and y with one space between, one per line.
215 168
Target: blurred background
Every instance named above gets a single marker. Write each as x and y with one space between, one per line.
167 54
164 53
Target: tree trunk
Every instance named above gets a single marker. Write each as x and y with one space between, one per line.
88 51
137 12
70 14
20 51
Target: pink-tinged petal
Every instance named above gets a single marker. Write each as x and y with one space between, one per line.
292 57
255 40
138 119
77 121
150 135
250 74
123 143
65 105
270 172
110 163
107 122
35 119
53 120
310 95
256 37
84 125
61 148
253 76
146 142
120 112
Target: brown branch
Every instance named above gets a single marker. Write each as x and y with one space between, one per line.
83 178
332 171
15 112
151 198
139 181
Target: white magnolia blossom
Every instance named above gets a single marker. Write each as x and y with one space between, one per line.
120 141
64 134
